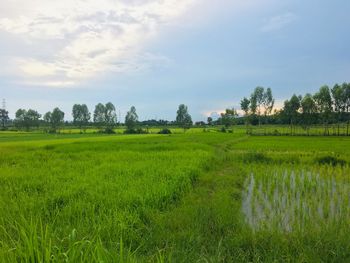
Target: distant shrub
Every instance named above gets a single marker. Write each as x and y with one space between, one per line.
256 157
223 129
276 132
51 131
165 131
107 131
136 131
330 160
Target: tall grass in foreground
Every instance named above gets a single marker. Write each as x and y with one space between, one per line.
172 198
91 201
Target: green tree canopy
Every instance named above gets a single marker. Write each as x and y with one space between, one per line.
4 117
210 121
291 110
183 118
110 116
324 103
27 119
131 119
81 115
99 114
57 118
105 116
268 102
229 117
245 103
54 118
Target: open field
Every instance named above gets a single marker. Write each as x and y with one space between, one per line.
207 197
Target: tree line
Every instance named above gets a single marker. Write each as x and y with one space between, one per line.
327 106
104 117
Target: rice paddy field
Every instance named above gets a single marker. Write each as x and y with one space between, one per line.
192 197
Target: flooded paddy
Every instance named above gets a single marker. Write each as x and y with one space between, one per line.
288 200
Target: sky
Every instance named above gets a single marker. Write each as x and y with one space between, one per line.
157 54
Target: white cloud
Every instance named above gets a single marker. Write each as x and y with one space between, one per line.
93 36
278 22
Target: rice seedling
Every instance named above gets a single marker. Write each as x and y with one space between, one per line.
295 200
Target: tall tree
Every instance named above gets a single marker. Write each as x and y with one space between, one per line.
20 117
268 102
339 102
99 115
110 116
257 99
131 119
308 109
323 100
81 115
245 106
105 116
27 119
4 117
229 117
291 110
55 119
183 118
47 117
33 117
346 87
210 121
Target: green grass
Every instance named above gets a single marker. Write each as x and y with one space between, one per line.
161 198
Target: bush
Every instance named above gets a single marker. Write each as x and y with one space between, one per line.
165 131
136 131
223 129
107 131
276 132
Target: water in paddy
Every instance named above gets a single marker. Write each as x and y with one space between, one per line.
286 201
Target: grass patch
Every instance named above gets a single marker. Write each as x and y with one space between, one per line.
256 157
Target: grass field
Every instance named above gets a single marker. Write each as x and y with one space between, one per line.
193 197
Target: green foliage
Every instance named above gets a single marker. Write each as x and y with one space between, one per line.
27 119
229 117
4 118
183 118
165 131
210 121
131 119
245 105
55 119
105 116
135 131
81 115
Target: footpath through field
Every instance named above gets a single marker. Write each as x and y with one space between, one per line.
201 226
